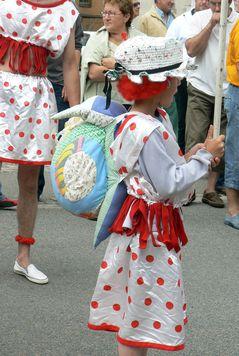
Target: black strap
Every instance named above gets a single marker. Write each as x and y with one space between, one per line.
156 70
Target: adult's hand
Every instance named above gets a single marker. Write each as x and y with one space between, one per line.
215 19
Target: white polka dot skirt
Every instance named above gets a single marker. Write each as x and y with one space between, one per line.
27 135
139 294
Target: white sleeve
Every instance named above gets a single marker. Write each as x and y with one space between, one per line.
164 174
175 30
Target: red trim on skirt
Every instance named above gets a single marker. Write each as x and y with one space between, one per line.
103 326
149 345
169 225
27 163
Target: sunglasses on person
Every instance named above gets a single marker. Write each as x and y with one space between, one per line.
136 4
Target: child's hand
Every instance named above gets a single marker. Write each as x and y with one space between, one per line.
193 150
214 146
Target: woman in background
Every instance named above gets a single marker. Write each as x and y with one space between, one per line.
98 55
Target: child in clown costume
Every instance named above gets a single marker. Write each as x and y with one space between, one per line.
139 292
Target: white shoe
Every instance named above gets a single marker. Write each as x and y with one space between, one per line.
31 273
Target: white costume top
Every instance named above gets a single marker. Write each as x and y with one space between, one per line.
175 176
45 26
29 32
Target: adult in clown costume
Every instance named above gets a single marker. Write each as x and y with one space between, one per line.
139 292
30 31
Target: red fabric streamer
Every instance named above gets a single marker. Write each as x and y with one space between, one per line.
169 225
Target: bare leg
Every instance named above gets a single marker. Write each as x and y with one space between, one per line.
27 208
211 182
131 351
232 201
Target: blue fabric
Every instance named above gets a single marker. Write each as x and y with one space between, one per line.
114 208
170 16
115 109
231 105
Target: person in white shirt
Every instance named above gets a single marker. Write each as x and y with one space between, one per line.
203 44
178 30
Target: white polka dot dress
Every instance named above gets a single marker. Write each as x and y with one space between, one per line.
29 32
139 292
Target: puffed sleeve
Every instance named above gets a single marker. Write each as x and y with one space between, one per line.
168 178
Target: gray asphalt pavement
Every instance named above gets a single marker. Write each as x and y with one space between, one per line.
51 320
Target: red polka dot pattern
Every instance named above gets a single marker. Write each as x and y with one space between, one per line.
120 270
134 256
160 281
165 135
140 281
94 304
116 307
104 264
170 261
169 305
148 301
157 325
150 258
140 192
134 323
178 328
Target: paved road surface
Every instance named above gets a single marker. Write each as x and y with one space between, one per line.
51 320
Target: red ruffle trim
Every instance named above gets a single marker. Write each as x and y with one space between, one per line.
25 240
169 224
104 327
24 58
149 345
26 163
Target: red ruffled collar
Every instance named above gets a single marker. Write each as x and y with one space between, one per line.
53 4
